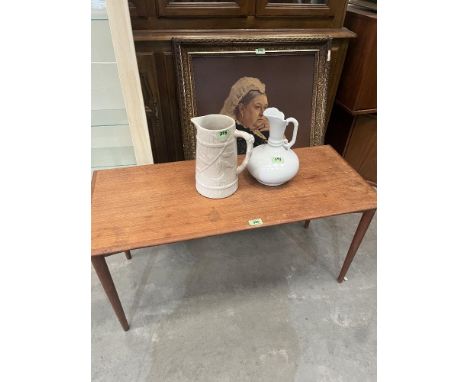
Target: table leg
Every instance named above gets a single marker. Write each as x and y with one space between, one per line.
128 255
358 236
102 270
306 223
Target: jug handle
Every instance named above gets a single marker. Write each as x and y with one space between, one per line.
249 138
293 140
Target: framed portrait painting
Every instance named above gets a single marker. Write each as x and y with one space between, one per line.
291 72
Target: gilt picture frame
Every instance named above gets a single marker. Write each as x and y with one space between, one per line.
293 69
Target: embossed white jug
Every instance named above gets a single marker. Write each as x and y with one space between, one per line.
216 155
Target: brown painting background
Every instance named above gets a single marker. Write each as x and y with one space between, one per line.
289 83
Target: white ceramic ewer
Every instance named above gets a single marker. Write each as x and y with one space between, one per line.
274 163
216 155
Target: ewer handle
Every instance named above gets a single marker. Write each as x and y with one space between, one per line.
296 125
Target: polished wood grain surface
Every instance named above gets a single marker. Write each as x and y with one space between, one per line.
149 205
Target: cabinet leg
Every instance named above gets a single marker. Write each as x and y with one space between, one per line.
358 236
306 223
128 255
102 270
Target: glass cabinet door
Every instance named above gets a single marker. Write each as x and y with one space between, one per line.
310 8
207 8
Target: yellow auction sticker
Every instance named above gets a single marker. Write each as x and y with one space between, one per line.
257 221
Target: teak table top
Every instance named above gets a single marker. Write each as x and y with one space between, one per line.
157 204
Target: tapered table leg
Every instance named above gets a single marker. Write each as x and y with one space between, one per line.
306 223
102 270
358 236
128 255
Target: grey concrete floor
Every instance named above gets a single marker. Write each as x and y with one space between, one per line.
259 305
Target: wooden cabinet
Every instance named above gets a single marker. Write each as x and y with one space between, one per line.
355 138
292 8
216 8
141 8
237 14
352 129
159 93
358 87
156 23
361 149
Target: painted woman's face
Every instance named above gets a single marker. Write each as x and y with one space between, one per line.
249 114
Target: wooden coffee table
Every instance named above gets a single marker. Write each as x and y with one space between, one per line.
150 205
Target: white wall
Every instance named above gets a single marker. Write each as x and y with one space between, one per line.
111 143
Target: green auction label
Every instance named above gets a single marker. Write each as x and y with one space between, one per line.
223 135
257 221
277 160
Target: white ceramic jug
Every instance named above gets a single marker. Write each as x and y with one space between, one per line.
216 155
274 163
